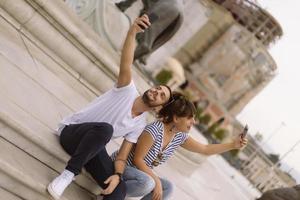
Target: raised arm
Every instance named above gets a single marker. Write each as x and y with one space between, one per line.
211 149
127 56
143 146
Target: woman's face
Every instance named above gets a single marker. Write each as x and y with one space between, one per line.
184 124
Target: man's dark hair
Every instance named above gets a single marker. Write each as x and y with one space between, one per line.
171 95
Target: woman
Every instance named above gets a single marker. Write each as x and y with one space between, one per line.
158 142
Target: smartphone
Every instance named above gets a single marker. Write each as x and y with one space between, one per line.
152 18
245 131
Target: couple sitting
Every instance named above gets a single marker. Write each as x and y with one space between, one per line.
120 112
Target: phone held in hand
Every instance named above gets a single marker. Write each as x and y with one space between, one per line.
245 131
152 18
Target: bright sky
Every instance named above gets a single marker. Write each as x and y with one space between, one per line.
280 100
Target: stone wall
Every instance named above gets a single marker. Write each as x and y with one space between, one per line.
51 64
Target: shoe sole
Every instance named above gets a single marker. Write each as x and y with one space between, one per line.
52 193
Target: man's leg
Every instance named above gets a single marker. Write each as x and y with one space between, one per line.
101 167
82 142
138 183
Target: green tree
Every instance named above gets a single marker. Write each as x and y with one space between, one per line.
204 119
187 94
234 152
164 76
258 136
274 157
199 112
211 129
220 134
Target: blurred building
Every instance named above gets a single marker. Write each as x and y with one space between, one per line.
228 59
217 22
254 18
235 68
261 171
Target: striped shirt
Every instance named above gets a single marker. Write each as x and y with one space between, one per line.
156 130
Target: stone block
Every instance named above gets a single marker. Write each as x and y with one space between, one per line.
27 177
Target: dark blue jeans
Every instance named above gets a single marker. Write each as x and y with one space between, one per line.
86 144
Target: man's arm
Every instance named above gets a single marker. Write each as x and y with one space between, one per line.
120 164
121 159
127 56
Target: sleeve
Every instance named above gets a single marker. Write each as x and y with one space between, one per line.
184 137
133 136
129 87
153 129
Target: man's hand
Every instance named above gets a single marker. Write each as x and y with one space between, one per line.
140 24
157 191
112 182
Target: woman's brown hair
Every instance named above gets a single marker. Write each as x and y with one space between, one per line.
180 106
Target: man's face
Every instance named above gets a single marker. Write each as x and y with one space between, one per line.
156 96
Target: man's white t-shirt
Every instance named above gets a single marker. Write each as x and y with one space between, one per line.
113 107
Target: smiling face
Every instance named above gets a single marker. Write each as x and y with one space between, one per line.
180 112
156 96
183 124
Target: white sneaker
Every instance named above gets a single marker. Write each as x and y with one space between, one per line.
60 183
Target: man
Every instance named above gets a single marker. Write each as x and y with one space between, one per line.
120 112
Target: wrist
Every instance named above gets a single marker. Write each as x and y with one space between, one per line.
157 181
132 31
120 175
232 145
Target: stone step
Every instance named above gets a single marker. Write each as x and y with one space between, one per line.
4 194
34 99
25 176
36 139
51 64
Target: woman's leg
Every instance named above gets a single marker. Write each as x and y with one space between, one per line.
137 182
167 187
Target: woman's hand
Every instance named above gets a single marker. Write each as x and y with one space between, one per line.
240 142
157 191
140 24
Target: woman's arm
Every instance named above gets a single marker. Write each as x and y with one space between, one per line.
143 146
211 149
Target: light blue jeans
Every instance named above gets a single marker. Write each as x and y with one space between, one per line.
140 184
